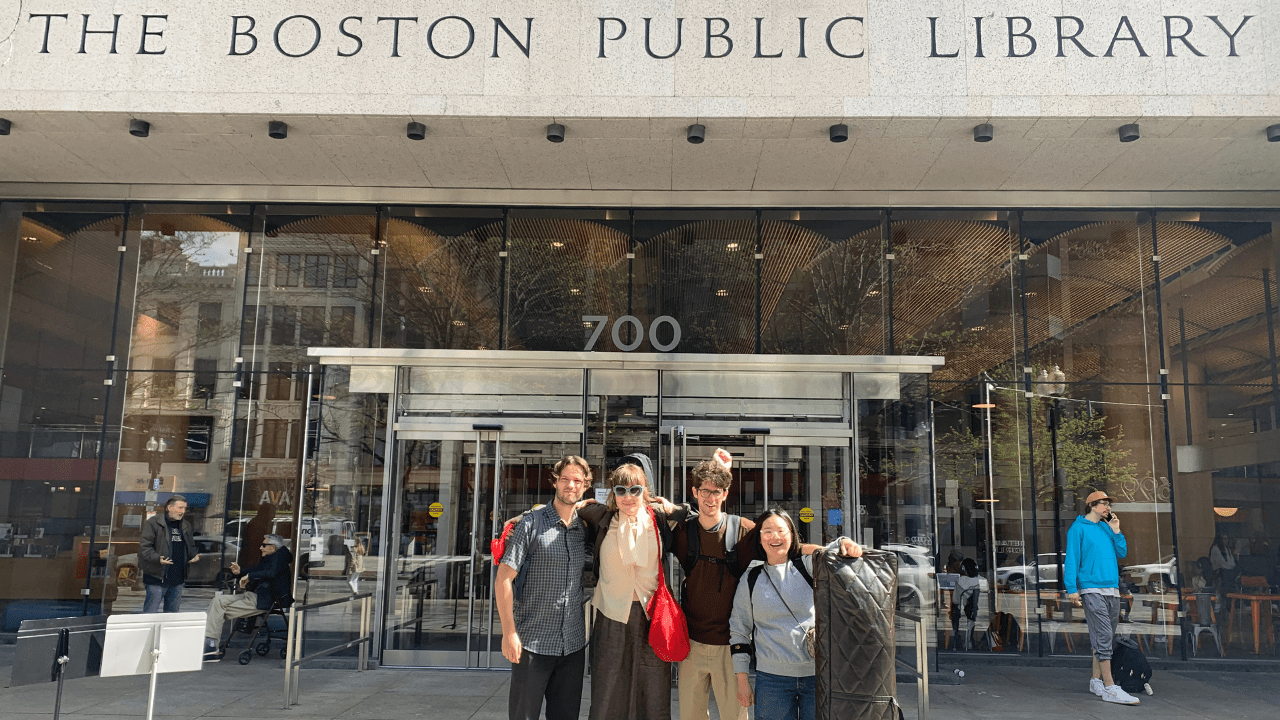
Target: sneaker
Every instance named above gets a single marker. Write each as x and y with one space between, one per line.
1095 686
212 655
1116 694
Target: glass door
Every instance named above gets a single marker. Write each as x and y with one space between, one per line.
808 476
452 491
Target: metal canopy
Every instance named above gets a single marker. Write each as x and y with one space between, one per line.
401 357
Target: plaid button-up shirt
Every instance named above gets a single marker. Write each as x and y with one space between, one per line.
548 613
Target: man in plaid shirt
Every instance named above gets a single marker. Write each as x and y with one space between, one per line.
544 633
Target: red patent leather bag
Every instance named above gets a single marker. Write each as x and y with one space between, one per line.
668 629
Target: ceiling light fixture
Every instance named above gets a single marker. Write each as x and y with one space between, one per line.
722 293
6 126
839 133
731 246
278 130
1273 133
985 132
139 128
984 406
1129 133
415 131
555 133
696 134
1225 511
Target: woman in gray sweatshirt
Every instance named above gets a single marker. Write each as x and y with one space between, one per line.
772 612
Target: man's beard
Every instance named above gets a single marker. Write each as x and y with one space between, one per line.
568 500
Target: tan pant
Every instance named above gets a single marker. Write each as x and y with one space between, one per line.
708 668
229 607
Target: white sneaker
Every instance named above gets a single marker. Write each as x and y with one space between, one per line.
1116 694
1095 686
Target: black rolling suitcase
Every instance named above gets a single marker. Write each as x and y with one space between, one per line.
1129 667
855 600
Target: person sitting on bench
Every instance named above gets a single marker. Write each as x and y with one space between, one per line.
266 584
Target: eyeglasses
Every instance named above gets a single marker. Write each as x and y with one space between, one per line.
266 545
774 533
632 490
714 493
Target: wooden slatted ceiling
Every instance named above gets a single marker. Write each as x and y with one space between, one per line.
1232 293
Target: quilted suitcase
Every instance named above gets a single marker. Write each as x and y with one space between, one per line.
855 600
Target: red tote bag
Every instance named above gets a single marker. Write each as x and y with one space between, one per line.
668 629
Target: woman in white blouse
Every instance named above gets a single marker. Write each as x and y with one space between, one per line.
628 681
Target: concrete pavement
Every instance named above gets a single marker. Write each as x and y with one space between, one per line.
229 690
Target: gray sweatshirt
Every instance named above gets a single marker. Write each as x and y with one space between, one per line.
760 618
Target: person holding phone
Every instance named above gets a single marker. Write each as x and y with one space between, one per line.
1092 575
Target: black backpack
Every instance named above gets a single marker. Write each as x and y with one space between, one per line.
754 574
732 528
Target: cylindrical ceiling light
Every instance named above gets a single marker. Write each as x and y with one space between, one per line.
1129 133
1273 133
985 132
6 127
139 128
555 132
278 130
697 133
839 133
415 131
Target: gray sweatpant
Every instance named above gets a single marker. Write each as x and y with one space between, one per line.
1102 614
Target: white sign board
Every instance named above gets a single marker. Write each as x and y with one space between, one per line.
132 638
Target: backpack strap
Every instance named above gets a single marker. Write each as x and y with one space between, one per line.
752 576
798 561
693 545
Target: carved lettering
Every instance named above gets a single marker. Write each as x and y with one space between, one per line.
142 45
933 41
85 32
1025 34
315 40
1169 37
342 28
237 33
801 54
471 37
722 35
831 46
528 36
648 46
622 30
1230 35
977 36
48 19
1132 37
759 42
1073 37
395 32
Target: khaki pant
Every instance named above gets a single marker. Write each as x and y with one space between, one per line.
229 607
708 668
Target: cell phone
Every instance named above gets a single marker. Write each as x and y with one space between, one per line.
1110 515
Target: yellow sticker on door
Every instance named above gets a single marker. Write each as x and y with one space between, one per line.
435 510
806 514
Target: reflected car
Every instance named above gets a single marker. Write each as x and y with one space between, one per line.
204 571
1018 578
916 583
1155 577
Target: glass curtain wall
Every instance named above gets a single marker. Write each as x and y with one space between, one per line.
1123 351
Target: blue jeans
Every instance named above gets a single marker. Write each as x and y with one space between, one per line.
785 698
171 596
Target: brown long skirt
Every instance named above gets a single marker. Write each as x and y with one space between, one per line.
628 681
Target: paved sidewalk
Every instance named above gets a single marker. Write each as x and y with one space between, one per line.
228 690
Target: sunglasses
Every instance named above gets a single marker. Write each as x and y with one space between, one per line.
632 490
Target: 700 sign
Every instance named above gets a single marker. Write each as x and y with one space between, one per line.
601 320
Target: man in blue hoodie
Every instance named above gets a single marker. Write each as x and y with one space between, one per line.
1092 575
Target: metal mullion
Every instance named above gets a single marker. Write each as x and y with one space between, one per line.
109 383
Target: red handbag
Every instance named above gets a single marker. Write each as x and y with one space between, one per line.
668 629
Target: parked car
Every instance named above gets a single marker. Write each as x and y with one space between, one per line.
312 535
1017 578
917 587
1155 577
204 571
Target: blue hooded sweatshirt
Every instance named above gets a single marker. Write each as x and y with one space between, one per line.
1092 552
